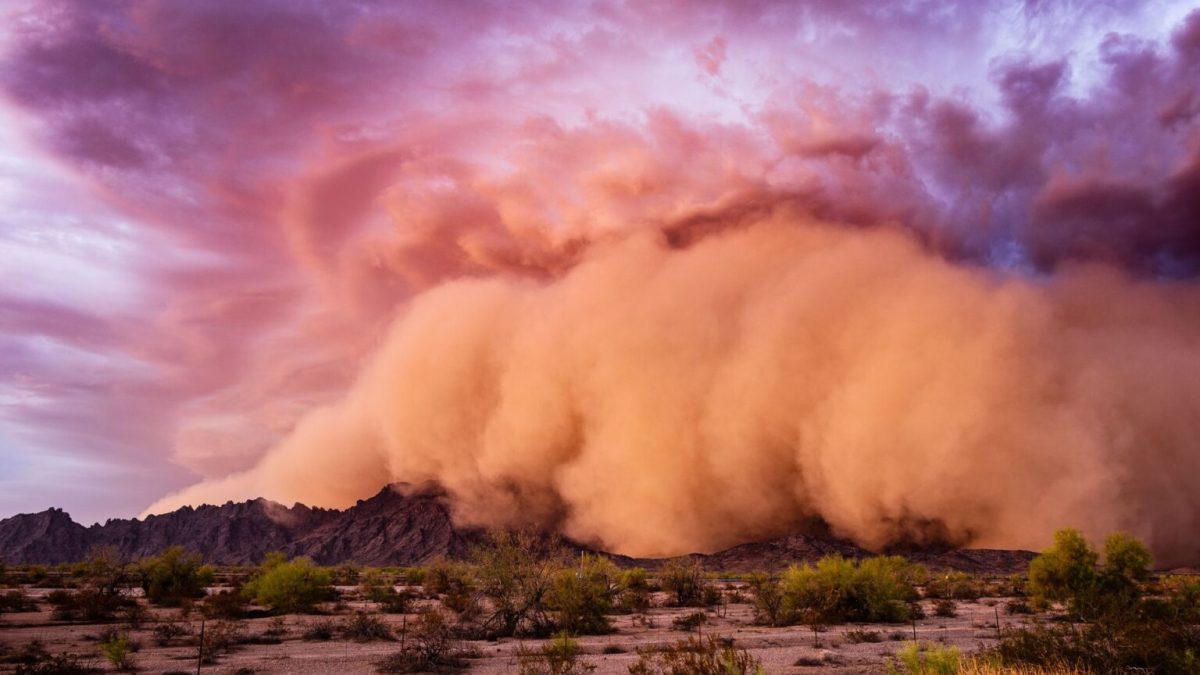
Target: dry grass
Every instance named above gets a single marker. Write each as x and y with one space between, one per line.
983 667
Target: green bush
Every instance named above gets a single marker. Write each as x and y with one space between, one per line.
633 590
925 659
581 596
1064 571
117 650
1067 572
953 586
173 576
289 586
839 590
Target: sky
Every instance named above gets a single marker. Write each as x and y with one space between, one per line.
213 213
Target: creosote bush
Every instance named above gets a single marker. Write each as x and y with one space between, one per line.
289 586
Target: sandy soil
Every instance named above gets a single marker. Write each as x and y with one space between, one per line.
781 649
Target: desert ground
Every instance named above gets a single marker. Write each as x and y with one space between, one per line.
852 648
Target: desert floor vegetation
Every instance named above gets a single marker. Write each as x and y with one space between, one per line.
527 604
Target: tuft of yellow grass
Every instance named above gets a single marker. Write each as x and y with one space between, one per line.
982 667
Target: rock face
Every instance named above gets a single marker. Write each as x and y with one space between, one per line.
402 525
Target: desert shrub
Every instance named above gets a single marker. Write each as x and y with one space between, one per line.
925 659
174 575
444 577
1017 607
89 604
690 621
166 631
321 630
861 635
429 646
219 637
224 605
945 608
685 582
633 590
289 586
580 596
953 586
346 574
58 664
101 576
559 656
839 590
376 589
1147 638
17 601
768 600
117 650
696 657
364 627
515 572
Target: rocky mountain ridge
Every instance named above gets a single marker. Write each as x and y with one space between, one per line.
401 525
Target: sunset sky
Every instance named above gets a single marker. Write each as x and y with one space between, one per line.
212 211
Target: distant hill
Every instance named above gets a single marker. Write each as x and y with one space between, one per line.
401 525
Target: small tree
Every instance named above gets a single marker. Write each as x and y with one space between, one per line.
1064 571
1127 557
173 576
286 587
515 572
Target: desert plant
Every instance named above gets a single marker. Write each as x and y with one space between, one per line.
117 650
695 656
768 600
559 656
945 608
224 605
364 627
219 637
857 636
428 646
166 631
289 586
684 581
925 659
837 590
1065 570
580 596
953 586
515 572
320 630
690 621
633 590
17 601
174 575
